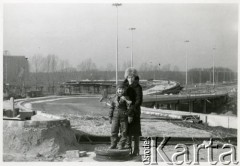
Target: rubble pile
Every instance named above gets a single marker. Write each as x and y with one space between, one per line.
39 137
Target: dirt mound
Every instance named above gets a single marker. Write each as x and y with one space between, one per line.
96 125
38 142
229 113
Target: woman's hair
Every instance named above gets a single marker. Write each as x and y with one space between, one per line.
125 82
131 71
136 78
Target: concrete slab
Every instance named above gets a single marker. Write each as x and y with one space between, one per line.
211 120
72 154
26 115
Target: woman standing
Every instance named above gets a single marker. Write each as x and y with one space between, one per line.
134 91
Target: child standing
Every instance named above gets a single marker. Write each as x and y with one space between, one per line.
118 117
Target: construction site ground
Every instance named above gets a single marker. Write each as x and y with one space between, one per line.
88 115
85 111
169 150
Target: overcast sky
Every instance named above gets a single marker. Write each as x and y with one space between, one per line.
79 31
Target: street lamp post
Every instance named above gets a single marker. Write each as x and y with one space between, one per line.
152 70
117 5
186 41
224 74
132 29
159 71
6 70
200 76
213 66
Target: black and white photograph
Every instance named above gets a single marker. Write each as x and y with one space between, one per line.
125 82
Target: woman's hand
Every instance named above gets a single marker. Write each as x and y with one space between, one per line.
123 97
130 119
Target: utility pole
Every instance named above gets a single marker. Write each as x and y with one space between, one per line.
213 66
186 41
117 5
132 29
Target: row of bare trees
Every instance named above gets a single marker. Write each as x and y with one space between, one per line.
50 70
203 75
48 65
52 63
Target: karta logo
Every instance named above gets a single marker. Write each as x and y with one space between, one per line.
152 151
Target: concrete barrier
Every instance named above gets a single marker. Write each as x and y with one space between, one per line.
211 120
220 120
28 105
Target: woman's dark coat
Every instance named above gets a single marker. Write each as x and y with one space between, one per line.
134 92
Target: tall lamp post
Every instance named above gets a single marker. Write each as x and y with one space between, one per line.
186 41
200 79
213 65
6 70
132 29
117 5
159 71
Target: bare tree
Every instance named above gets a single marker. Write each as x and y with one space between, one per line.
48 64
51 64
36 66
88 69
62 67
54 64
175 68
145 67
110 67
166 67
87 65
125 65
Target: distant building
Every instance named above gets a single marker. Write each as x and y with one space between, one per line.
15 70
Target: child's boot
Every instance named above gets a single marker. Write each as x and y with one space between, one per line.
113 143
112 147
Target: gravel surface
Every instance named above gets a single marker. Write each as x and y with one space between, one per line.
90 112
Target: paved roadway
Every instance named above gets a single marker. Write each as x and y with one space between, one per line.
192 93
169 98
151 126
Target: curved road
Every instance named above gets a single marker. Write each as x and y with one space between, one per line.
91 107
